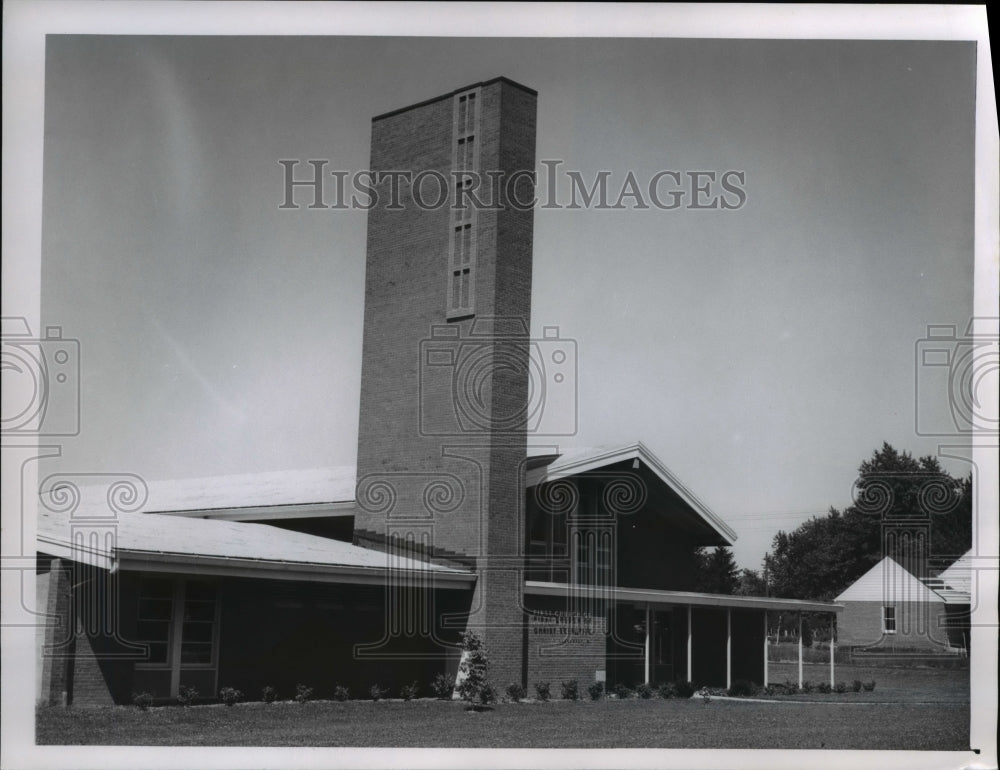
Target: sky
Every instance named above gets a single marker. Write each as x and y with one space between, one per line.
761 353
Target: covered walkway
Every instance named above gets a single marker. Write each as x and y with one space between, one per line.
710 632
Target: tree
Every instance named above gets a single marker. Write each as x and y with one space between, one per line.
750 583
826 554
717 571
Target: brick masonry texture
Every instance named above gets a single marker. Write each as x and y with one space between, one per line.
919 626
409 436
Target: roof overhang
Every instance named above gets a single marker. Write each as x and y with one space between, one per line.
601 458
262 569
341 508
682 598
223 566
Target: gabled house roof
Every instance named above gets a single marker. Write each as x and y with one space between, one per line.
954 585
888 583
550 466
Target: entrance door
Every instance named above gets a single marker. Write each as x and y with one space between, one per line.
661 654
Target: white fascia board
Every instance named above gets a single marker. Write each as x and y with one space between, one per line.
341 508
146 561
75 552
638 451
654 596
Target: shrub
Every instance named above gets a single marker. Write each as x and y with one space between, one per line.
341 693
142 700
376 692
644 691
543 691
806 687
869 686
622 691
570 690
230 696
683 688
840 687
824 687
475 687
303 693
856 685
186 695
596 690
515 692
742 687
666 690
443 686
269 695
409 691
487 694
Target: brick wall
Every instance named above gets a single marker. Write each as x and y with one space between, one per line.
422 467
84 653
917 626
561 646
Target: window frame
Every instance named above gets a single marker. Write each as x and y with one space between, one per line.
888 617
175 628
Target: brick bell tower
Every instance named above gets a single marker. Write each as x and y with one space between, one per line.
445 368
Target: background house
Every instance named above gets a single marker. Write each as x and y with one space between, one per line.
889 608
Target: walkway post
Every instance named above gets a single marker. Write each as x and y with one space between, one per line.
648 631
832 629
689 644
729 647
765 648
800 650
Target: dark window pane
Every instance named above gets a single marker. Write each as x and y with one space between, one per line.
155 609
197 632
196 653
152 631
199 611
157 653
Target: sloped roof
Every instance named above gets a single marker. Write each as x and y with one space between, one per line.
294 487
959 575
954 585
132 540
888 583
581 460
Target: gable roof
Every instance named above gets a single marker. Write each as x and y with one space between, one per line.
582 460
954 585
888 582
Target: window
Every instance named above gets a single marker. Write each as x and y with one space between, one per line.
593 556
547 541
889 620
198 632
178 620
462 238
156 611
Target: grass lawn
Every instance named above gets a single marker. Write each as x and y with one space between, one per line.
690 723
899 685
